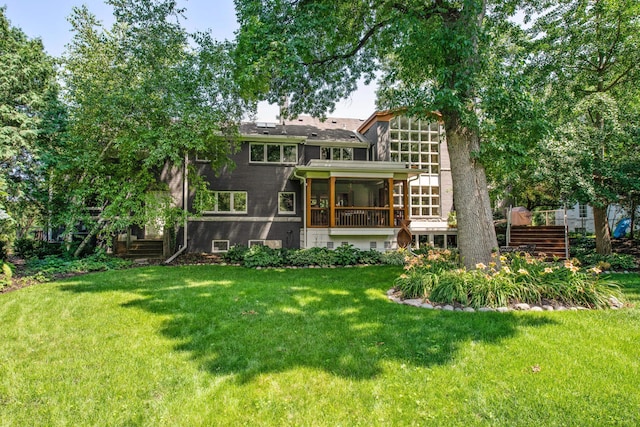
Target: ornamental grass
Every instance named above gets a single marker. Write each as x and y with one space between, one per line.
509 279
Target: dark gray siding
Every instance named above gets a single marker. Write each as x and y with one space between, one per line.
262 182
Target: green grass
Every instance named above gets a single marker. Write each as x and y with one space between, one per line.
212 345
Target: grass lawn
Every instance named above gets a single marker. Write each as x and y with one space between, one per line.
214 345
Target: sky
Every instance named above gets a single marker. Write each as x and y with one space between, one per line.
47 19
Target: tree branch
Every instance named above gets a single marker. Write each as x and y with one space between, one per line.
333 58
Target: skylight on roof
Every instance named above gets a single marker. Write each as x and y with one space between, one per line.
270 125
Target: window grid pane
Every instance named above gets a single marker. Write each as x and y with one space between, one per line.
425 201
416 142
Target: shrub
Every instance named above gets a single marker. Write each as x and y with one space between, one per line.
235 254
521 278
52 265
612 261
29 248
371 256
262 256
6 273
3 250
346 255
397 257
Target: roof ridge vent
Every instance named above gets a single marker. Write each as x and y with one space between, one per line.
314 133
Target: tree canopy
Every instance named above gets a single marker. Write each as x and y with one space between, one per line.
140 95
450 57
27 90
586 61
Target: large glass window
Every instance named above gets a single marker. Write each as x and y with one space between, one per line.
227 202
336 153
425 201
273 153
416 142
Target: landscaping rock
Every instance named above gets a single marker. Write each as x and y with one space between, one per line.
448 307
485 309
426 305
536 308
522 306
469 309
615 302
547 307
413 302
502 309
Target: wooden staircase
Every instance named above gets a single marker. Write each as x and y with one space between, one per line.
548 239
140 248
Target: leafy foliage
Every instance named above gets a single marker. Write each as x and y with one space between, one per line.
31 248
28 91
586 64
456 58
522 278
262 256
371 256
52 265
140 98
235 254
6 273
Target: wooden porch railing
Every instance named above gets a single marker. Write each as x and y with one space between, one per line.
357 217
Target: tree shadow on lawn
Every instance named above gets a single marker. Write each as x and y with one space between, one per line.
247 322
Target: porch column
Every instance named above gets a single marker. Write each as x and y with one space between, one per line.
405 198
390 198
332 201
307 208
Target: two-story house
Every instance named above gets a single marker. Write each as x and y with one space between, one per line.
304 183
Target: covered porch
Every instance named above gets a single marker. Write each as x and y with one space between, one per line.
355 198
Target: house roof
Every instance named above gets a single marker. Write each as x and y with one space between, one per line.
331 130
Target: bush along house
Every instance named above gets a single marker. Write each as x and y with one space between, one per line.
307 183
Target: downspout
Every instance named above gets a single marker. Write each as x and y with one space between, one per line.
185 193
303 181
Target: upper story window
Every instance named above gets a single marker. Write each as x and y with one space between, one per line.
416 142
226 202
336 153
273 153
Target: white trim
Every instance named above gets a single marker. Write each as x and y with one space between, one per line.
231 203
228 218
264 160
213 246
361 231
293 209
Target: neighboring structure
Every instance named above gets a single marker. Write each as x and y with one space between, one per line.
306 183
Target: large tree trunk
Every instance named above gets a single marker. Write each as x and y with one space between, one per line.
603 233
476 232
